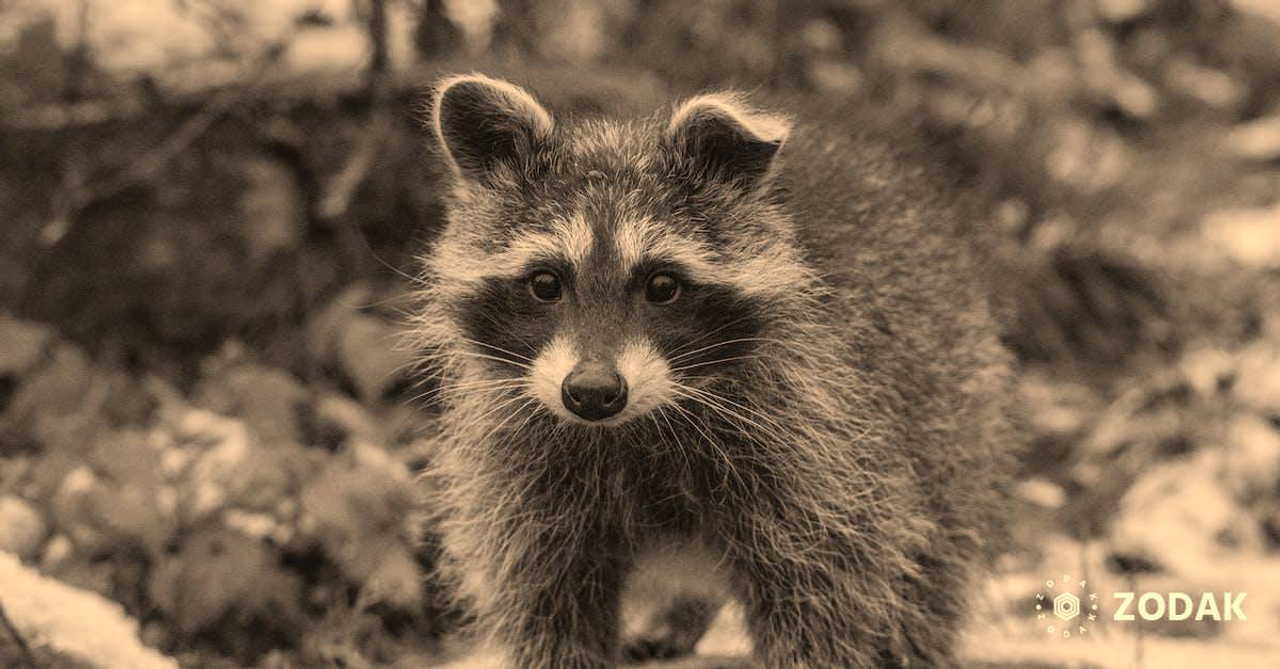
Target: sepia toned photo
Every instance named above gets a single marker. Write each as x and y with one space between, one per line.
591 334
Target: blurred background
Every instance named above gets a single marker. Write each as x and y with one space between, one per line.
209 211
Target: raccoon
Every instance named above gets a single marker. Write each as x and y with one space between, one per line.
712 338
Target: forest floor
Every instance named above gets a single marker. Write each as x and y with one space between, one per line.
208 438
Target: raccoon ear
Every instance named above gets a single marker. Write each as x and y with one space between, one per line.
726 140
482 123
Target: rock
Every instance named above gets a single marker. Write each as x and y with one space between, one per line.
378 459
1106 78
22 528
1249 237
339 420
272 209
131 514
128 401
125 504
1182 517
203 427
203 501
834 76
323 326
24 344
126 457
72 508
91 630
406 424
1208 369
1211 87
396 581
222 577
364 348
174 461
1057 407
209 478
59 386
370 354
270 475
58 401
1042 492
253 525
1088 158
1257 385
359 508
1256 140
219 463
1266 9
1253 456
822 36
1121 11
56 553
15 470
267 398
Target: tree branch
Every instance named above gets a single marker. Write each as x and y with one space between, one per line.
27 657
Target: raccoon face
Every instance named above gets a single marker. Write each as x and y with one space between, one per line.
606 270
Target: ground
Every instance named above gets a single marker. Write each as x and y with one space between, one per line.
208 432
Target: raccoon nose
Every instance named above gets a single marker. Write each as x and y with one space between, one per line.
594 390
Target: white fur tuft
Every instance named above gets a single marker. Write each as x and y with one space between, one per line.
648 379
647 374
762 125
574 237
549 369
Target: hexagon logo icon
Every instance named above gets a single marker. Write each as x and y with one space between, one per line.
1068 599
1066 606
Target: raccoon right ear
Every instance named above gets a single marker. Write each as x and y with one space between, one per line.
723 139
484 123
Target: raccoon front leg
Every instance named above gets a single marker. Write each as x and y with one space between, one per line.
805 614
815 599
558 606
801 618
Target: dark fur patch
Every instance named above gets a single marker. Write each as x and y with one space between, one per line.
509 323
600 309
707 324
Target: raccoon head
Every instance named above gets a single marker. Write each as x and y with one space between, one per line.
602 270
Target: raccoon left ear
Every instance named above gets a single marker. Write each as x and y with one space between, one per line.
727 140
484 124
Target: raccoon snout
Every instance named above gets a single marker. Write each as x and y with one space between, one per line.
594 390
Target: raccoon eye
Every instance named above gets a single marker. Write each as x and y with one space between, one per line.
662 288
545 287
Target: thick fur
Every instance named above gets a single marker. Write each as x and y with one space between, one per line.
844 466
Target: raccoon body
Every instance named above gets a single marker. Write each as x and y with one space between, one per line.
708 330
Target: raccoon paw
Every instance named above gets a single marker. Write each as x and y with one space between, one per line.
672 634
658 644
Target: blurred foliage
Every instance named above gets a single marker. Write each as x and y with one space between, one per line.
210 209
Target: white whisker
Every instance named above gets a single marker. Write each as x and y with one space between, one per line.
705 335
714 402
711 442
498 349
728 342
716 362
485 356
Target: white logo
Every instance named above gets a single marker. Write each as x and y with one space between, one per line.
1178 606
1066 607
